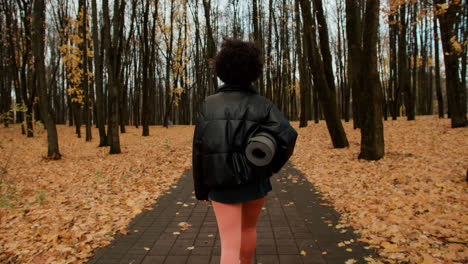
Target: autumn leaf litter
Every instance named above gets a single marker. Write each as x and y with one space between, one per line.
410 206
88 196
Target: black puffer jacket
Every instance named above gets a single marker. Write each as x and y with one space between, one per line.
225 123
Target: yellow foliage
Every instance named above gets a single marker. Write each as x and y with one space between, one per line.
72 57
441 9
456 46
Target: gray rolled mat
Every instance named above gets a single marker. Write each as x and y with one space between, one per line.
261 149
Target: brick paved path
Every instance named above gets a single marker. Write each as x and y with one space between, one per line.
293 219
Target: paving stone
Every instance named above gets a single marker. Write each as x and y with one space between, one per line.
160 250
267 259
287 250
134 259
175 259
179 251
198 260
202 251
290 259
153 260
292 220
266 250
215 260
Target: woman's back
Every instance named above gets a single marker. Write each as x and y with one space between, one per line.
229 118
221 171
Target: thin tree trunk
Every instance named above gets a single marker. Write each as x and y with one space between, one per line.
269 82
394 93
258 39
326 94
38 37
211 51
411 95
302 67
145 72
197 93
353 32
85 85
28 92
98 79
403 70
324 43
167 84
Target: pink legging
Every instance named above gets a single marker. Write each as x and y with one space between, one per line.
237 224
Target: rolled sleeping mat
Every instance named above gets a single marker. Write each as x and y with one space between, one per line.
261 149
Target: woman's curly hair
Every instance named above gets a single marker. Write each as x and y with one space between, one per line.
239 62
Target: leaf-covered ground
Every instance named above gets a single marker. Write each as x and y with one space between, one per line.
411 205
64 209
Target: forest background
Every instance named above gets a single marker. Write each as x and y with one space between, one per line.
147 63
128 66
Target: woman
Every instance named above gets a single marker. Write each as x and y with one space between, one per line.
226 121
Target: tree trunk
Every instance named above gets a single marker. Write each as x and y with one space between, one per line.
145 72
101 121
38 39
326 94
411 95
211 51
341 62
258 39
370 97
77 117
403 70
13 66
28 91
456 94
269 83
464 55
324 44
394 93
302 67
197 93
113 51
85 85
167 83
353 32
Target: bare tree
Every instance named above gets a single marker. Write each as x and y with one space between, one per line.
98 65
456 94
113 49
211 49
369 94
326 94
38 39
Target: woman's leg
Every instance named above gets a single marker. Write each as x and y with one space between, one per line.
229 217
250 213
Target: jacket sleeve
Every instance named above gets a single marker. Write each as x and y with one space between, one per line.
201 190
278 126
